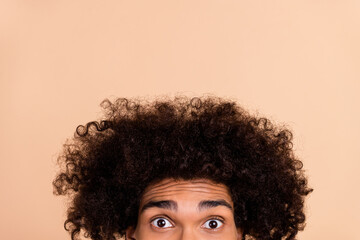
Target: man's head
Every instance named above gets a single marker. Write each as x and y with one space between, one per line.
200 168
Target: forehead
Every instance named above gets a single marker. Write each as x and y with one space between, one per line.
186 190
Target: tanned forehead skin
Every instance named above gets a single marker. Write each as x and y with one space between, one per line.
168 187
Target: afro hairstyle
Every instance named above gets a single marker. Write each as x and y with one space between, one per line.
106 166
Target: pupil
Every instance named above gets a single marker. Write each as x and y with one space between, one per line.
161 223
213 224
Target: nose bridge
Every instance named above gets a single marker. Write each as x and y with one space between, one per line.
188 234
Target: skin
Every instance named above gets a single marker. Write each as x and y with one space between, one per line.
178 210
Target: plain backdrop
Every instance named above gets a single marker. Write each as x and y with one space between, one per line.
295 62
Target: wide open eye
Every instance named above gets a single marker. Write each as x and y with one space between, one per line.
213 224
161 223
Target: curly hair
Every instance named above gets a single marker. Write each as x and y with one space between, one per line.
107 165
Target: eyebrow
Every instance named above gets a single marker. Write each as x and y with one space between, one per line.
172 205
166 204
204 205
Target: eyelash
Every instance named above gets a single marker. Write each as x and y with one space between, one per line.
214 218
171 222
161 217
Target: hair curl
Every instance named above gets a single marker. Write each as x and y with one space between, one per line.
105 170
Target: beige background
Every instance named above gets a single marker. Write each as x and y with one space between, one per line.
296 62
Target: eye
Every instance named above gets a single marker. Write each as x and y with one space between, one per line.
213 224
161 223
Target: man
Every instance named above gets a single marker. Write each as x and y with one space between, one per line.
200 168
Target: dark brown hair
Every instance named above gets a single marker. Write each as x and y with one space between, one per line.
107 165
